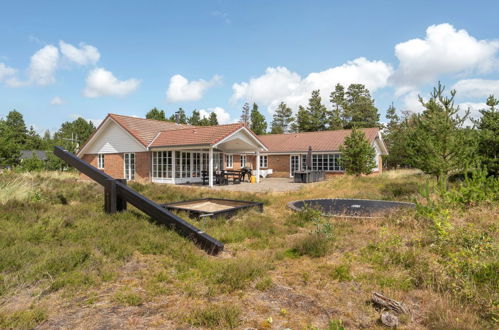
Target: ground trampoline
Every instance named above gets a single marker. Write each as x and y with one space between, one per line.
358 208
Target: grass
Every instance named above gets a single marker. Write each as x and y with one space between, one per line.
215 316
58 251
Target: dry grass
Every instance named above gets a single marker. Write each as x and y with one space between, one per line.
79 268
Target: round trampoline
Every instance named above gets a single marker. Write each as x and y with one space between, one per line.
357 208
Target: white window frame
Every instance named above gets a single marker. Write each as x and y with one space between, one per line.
264 161
131 175
229 161
100 161
243 161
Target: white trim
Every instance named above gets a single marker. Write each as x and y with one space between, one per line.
154 139
237 131
134 166
101 129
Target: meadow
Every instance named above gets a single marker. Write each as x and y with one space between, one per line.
65 263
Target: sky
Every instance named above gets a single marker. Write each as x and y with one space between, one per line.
63 59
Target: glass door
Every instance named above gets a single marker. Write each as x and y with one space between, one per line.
129 160
295 164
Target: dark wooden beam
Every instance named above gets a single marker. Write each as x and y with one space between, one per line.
117 194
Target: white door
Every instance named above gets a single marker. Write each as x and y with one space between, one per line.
294 164
129 168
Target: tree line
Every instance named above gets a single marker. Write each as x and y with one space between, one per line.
15 136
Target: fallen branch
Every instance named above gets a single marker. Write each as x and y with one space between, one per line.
388 303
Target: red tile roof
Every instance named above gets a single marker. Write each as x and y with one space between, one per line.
319 141
205 135
145 130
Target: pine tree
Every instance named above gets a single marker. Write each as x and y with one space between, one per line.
438 144
258 123
195 118
245 115
213 119
302 121
33 140
360 110
317 112
156 114
13 138
357 154
282 119
488 132
337 99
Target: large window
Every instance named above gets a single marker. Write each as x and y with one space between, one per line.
229 161
243 161
196 164
326 162
162 164
264 161
100 161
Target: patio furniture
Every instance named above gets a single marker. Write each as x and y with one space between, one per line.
265 173
308 176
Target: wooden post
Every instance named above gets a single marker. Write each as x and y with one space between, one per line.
120 201
110 196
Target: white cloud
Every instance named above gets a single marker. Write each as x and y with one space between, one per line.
56 100
84 55
282 85
6 72
444 50
411 102
476 87
43 65
474 110
180 89
222 115
101 82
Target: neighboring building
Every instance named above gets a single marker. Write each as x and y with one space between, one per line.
28 154
166 152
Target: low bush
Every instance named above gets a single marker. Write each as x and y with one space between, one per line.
215 316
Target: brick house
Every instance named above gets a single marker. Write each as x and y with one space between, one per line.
166 152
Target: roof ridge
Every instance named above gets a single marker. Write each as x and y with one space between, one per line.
200 127
335 130
160 121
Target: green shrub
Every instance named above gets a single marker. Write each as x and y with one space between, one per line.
215 316
341 273
314 245
24 319
234 274
128 298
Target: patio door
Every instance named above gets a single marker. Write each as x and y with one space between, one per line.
294 164
129 166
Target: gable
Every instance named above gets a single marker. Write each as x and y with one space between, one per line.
112 138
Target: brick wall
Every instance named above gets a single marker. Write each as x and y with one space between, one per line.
114 165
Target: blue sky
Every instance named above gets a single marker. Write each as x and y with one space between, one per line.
62 59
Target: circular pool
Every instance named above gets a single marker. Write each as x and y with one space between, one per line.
359 208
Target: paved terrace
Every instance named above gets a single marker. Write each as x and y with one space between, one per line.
265 185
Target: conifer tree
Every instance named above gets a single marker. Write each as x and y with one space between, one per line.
258 123
488 132
282 119
195 118
156 114
180 116
438 144
302 122
357 154
213 119
360 110
337 99
245 115
317 113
